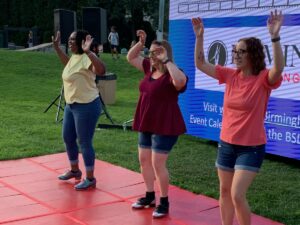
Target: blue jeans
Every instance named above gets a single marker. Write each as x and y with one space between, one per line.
236 157
158 143
79 123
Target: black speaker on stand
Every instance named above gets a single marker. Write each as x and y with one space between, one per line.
94 20
65 22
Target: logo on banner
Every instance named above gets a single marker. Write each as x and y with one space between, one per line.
217 53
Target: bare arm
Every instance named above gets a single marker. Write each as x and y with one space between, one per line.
199 56
109 37
97 66
274 25
62 56
133 56
178 77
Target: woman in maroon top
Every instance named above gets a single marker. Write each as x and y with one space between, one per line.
158 118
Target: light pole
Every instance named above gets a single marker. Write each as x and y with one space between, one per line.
160 31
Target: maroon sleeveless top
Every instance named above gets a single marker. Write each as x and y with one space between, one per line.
157 110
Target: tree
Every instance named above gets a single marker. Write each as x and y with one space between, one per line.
127 15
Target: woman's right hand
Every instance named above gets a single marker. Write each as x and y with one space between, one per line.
142 36
198 27
56 40
274 23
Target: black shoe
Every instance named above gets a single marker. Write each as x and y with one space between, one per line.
161 211
144 202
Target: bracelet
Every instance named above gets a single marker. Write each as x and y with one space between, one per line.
166 61
275 39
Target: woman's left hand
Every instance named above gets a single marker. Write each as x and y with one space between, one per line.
161 53
274 23
87 43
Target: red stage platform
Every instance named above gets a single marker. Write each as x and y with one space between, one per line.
30 193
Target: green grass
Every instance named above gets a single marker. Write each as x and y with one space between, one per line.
29 82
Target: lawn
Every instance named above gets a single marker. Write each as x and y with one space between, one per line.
29 81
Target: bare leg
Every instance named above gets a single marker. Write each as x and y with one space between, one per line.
225 201
117 53
241 182
159 164
146 168
112 53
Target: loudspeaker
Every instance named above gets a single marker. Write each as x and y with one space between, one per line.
65 22
95 22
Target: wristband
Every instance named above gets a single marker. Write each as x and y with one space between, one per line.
275 39
165 61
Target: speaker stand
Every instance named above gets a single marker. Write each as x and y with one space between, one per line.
104 109
125 126
59 106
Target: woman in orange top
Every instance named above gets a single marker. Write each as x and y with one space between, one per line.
242 142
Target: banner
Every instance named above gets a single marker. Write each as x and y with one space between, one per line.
225 22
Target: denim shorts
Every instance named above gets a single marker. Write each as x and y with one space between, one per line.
236 157
158 143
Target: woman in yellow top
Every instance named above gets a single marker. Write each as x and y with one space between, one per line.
83 107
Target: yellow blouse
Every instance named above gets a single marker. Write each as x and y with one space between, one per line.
79 81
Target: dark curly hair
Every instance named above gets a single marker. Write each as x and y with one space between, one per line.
256 54
80 36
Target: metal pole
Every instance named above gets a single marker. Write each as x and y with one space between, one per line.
159 32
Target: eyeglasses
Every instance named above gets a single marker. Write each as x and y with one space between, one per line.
239 52
152 53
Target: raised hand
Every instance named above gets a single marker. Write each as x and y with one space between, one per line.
87 43
198 27
274 23
161 53
142 36
56 40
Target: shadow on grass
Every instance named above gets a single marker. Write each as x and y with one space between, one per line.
288 161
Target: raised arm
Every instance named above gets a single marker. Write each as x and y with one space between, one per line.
62 56
98 66
199 57
178 77
274 24
133 56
